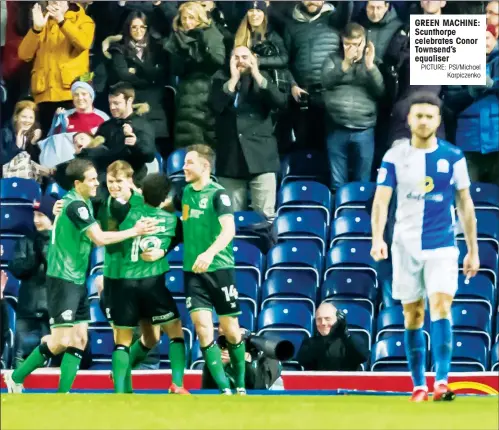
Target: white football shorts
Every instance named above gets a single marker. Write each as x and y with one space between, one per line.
418 274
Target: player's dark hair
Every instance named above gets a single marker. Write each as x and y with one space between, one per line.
76 169
204 151
425 98
155 188
122 88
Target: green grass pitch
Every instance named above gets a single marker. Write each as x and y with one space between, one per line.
108 411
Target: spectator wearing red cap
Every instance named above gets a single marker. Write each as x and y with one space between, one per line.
477 131
29 266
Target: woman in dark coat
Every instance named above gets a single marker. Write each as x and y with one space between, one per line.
141 62
197 52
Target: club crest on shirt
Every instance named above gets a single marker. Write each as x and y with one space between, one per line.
83 213
203 203
442 166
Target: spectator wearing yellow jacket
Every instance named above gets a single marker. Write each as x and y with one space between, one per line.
59 44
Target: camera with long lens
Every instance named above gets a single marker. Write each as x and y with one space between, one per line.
270 345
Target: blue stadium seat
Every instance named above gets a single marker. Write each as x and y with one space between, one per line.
19 191
295 256
12 286
487 228
248 314
91 285
55 190
310 195
305 165
478 289
391 321
494 357
97 317
485 196
161 162
102 347
247 287
359 320
176 257
7 244
175 282
389 355
304 225
292 321
469 354
354 195
469 318
248 258
351 227
290 285
350 286
16 220
197 359
351 255
8 350
245 219
96 259
175 163
497 326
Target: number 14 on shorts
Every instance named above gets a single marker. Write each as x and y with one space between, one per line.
230 293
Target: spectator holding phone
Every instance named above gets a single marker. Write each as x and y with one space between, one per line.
333 347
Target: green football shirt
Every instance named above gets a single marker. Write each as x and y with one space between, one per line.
201 211
133 267
70 248
113 253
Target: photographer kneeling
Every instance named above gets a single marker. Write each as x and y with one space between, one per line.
263 362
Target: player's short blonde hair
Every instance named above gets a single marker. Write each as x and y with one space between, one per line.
120 167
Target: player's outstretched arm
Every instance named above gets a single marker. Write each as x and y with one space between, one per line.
466 212
103 238
379 216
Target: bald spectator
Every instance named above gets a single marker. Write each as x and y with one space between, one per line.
332 348
492 14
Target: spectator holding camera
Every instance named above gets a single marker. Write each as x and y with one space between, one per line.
59 43
311 35
29 265
247 153
354 86
332 348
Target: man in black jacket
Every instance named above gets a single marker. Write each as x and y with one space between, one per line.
312 35
127 135
29 265
247 149
354 85
333 348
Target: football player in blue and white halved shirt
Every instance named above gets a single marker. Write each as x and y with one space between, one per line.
428 174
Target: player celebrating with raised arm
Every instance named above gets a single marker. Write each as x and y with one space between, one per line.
142 296
428 173
209 228
72 235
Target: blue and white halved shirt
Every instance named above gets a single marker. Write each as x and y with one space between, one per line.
425 180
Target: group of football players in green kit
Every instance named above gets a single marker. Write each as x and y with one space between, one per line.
138 227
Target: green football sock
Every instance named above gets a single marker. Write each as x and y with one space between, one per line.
237 359
213 359
177 359
138 353
69 367
35 360
120 365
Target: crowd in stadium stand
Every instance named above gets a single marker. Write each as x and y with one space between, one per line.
140 80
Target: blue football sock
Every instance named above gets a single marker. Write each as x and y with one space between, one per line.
441 345
415 349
